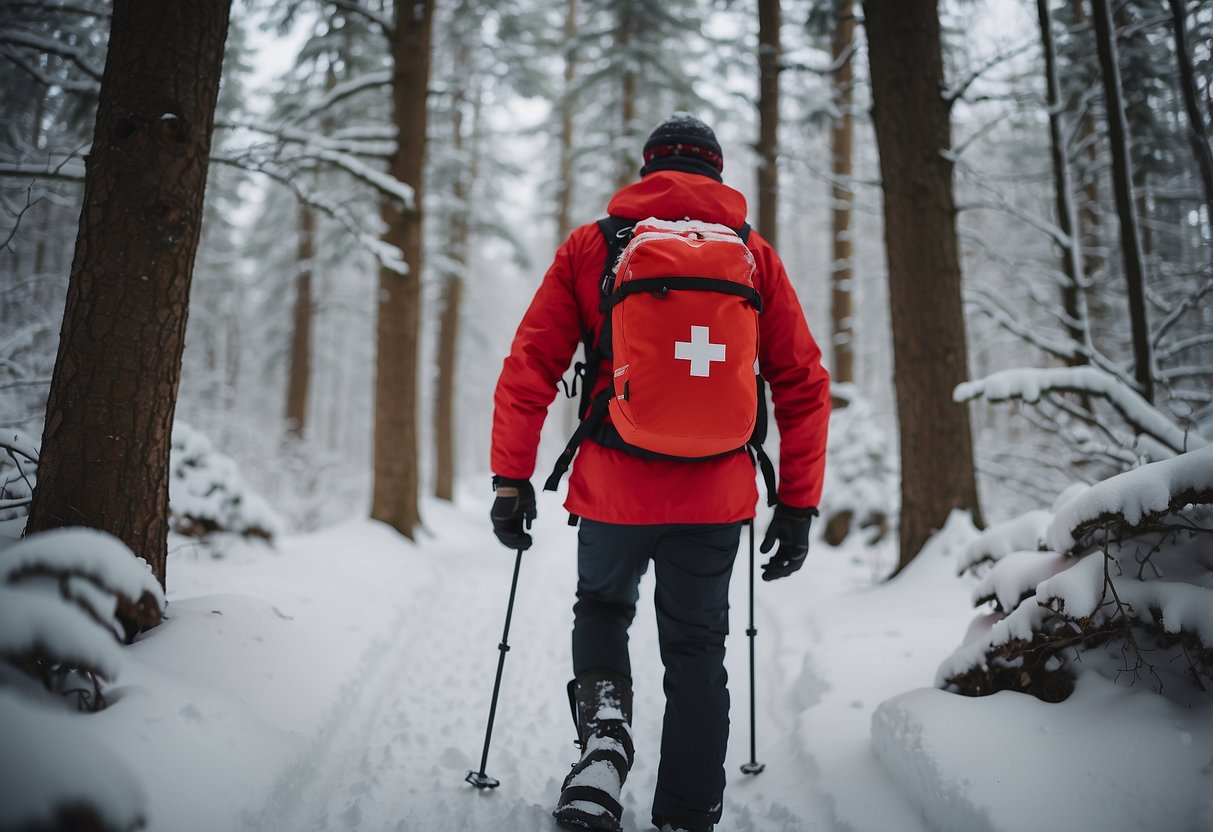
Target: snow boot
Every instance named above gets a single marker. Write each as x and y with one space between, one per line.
602 707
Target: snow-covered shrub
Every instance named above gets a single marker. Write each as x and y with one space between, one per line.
207 493
1117 576
68 599
18 474
861 485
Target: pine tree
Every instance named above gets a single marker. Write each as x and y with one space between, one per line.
105 449
911 117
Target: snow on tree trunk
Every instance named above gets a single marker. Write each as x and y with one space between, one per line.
396 487
109 417
768 119
911 117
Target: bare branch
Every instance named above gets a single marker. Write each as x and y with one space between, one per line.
957 90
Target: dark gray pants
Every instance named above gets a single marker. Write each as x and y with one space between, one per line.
692 564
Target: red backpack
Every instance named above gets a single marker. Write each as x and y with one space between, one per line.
680 330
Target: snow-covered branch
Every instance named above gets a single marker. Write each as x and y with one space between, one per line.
388 257
378 146
382 21
1030 384
954 93
73 85
340 92
71 170
828 69
39 43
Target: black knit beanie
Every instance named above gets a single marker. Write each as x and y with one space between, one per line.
683 142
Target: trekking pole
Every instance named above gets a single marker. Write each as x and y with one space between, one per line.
478 778
753 766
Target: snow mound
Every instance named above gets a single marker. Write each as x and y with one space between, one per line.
50 766
1101 760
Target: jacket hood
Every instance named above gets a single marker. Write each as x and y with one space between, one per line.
674 195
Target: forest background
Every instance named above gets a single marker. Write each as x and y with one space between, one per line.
534 113
996 215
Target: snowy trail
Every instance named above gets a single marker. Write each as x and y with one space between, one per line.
394 756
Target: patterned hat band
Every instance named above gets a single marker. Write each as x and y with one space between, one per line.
658 151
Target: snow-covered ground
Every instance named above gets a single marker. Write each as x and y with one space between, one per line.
341 681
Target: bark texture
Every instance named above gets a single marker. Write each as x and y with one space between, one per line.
458 246
911 119
109 418
768 119
842 139
300 372
396 488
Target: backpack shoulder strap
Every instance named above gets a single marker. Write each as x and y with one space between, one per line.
744 232
616 231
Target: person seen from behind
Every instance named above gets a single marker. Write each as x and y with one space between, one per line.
682 512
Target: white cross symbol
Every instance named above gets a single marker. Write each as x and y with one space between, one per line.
700 351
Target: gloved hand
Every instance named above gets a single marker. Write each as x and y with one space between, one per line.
514 507
790 527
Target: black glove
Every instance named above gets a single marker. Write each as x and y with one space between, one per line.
514 506
789 526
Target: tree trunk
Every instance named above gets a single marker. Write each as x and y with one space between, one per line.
627 103
1122 183
911 119
768 119
109 417
459 237
564 185
1072 299
396 489
444 403
842 133
300 372
1196 122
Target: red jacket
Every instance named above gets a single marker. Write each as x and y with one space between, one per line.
613 486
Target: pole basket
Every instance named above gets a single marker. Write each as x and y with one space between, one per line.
482 781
